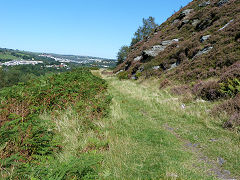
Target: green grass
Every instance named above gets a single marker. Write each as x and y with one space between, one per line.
146 135
141 147
6 56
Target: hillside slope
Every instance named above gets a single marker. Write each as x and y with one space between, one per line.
201 40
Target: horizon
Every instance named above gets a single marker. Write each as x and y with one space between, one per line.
93 28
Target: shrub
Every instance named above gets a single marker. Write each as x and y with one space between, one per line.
165 83
138 74
231 73
209 90
231 88
234 121
122 75
181 90
230 106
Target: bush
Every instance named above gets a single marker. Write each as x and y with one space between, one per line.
209 90
165 83
231 73
122 75
232 108
231 88
181 90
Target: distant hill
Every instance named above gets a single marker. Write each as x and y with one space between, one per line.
11 57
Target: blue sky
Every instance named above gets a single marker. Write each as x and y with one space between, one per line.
81 27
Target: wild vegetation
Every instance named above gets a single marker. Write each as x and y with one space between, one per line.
48 127
154 134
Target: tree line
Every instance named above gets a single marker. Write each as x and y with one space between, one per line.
148 26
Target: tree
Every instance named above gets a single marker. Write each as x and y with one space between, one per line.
122 54
145 30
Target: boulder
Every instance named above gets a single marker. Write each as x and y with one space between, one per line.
155 50
175 21
119 71
173 66
184 13
141 69
137 58
203 51
225 25
204 38
169 42
183 23
195 22
204 4
222 2
156 67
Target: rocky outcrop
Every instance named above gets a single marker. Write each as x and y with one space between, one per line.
195 22
155 50
203 51
204 4
137 58
226 25
222 2
204 38
185 13
156 67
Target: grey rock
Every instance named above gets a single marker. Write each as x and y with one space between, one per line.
222 2
141 69
156 67
119 71
195 22
183 23
204 38
175 21
155 50
203 51
204 4
173 66
169 42
213 140
137 58
226 25
186 12
221 161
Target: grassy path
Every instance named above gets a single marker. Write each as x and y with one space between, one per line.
152 137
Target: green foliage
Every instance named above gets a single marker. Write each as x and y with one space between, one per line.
122 75
29 143
122 54
138 74
144 31
231 88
